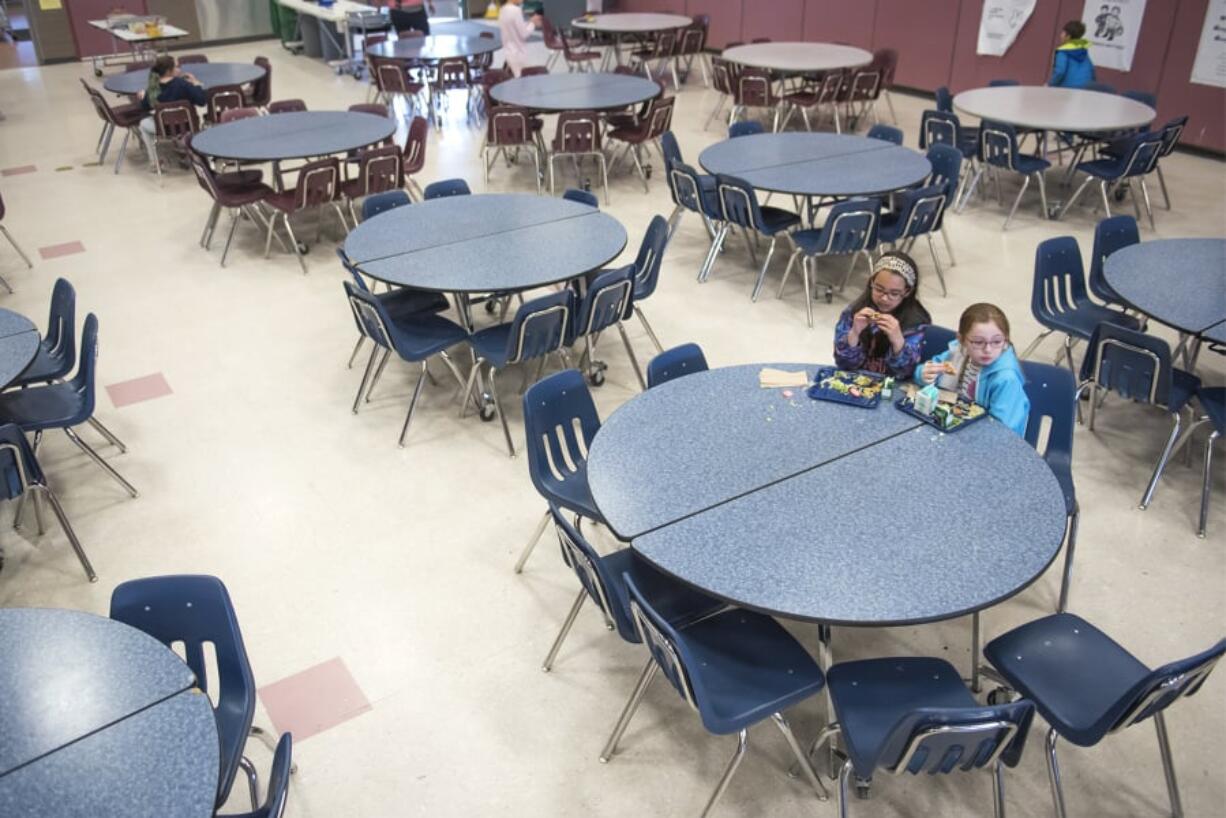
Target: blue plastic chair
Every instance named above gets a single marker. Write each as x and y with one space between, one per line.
584 197
647 271
936 340
673 363
748 127
65 405
1213 402
886 133
1086 686
278 782
609 298
736 668
946 164
1138 367
415 337
914 715
1110 235
739 208
917 213
1139 157
541 326
944 127
195 611
1058 300
1171 132
446 187
400 301
57 352
1005 83
1052 392
998 150
560 421
690 190
20 473
944 99
378 203
850 230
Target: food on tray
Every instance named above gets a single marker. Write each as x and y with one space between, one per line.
854 384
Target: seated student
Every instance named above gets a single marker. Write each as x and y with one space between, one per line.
882 329
167 83
1071 67
982 367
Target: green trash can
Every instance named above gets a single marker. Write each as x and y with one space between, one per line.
284 23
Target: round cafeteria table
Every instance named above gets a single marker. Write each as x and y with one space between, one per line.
18 345
798 58
1178 282
100 720
575 92
297 135
494 242
631 22
817 164
434 48
210 74
1039 107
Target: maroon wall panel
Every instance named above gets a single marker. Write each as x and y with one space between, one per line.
1026 60
781 20
725 19
1205 105
1150 55
837 21
924 35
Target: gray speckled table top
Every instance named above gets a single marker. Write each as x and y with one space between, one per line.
434 48
159 763
18 345
677 438
484 243
816 164
1179 282
575 92
798 57
794 534
13 323
210 74
294 135
1216 334
65 674
1055 109
632 22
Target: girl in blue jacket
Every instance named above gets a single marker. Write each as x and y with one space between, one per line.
987 371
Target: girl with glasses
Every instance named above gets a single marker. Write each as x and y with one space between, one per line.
982 366
882 329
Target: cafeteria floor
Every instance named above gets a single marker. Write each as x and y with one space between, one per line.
374 585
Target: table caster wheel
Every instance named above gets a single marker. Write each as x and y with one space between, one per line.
1000 695
491 306
596 378
829 295
97 72
647 171
303 249
487 411
863 792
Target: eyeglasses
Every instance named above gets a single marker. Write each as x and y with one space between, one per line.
980 344
882 292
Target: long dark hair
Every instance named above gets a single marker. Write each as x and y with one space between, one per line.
909 312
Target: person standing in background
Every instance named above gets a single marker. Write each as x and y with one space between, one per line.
411 14
515 32
1071 67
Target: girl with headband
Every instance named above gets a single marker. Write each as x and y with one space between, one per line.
883 329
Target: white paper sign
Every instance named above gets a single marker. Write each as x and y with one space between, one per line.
1113 30
1000 23
1210 65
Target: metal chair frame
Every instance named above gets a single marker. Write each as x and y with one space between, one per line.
566 124
811 259
45 490
990 141
1142 160
492 147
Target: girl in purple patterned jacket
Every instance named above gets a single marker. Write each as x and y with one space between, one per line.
882 329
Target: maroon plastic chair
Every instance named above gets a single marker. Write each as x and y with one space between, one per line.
173 123
578 136
379 170
451 75
723 79
754 88
286 106
824 94
488 80
235 114
237 193
647 131
391 81
693 46
222 98
859 93
534 71
886 60
578 59
192 59
318 187
261 89
663 53
127 117
13 242
414 155
556 41
509 128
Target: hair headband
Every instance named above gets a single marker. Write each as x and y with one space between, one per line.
896 264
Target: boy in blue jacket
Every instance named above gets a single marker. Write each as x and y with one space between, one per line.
1072 67
982 364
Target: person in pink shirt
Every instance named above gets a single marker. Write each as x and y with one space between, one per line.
515 32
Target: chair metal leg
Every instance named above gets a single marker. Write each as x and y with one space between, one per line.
297 246
1106 199
844 780
704 272
650 332
370 365
998 790
536 536
819 789
387 353
633 360
1016 202
632 705
1168 765
1035 343
421 381
1069 548
107 433
1046 213
253 781
353 355
123 149
741 744
206 235
1207 484
949 247
936 262
106 467
1166 197
502 415
1053 775
975 652
1072 199
1149 209
566 626
1166 455
787 271
16 247
58 510
266 739
804 275
970 189
770 251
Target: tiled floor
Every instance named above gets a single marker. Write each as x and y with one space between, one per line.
335 543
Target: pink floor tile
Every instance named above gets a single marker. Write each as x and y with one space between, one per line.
57 250
314 700
17 171
138 389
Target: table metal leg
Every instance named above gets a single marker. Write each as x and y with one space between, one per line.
975 652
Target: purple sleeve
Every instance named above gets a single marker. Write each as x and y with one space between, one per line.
903 364
845 355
